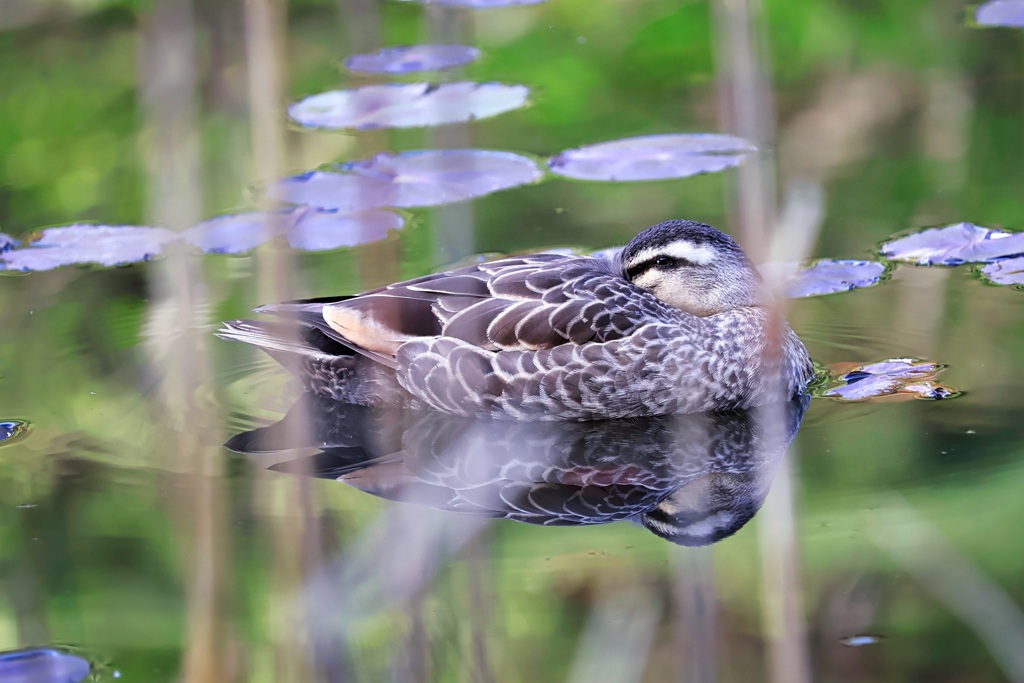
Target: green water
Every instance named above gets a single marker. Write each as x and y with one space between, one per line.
127 531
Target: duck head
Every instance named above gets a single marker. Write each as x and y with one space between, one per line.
692 266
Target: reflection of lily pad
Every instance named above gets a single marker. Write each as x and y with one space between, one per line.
652 157
7 243
100 244
42 665
10 430
410 179
402 60
955 244
898 378
1006 272
829 277
407 105
480 4
322 230
1001 13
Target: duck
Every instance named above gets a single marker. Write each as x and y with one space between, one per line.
677 321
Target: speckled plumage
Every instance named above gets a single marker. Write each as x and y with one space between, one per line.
552 337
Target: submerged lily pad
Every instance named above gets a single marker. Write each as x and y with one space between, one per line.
831 276
1006 272
42 665
410 179
7 243
955 244
1001 13
479 4
407 59
905 377
322 230
652 157
408 105
105 245
10 430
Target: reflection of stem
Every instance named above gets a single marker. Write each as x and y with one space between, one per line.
748 110
696 613
925 554
176 340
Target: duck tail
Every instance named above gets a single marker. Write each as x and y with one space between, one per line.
294 346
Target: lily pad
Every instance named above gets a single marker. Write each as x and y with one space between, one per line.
407 59
831 276
1008 13
955 244
1006 272
105 245
7 243
410 179
42 665
479 4
898 377
652 157
408 105
322 230
10 430
236 233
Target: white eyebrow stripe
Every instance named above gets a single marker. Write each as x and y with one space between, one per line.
686 251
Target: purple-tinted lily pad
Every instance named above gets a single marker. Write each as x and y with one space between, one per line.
105 245
1006 272
652 157
410 179
403 60
236 233
407 105
955 244
42 665
829 277
321 230
904 377
7 243
10 430
480 4
1001 13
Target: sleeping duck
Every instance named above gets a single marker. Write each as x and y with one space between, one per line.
678 321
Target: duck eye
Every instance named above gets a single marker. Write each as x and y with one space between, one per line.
664 261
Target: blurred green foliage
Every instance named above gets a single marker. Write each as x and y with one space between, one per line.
906 116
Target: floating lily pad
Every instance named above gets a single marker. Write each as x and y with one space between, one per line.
829 277
105 245
10 430
42 665
652 157
479 4
898 377
322 230
403 60
236 233
1001 13
410 179
1006 272
7 243
955 244
408 105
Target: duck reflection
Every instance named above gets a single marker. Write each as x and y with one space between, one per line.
692 479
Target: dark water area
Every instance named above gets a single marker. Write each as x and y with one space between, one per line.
882 544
